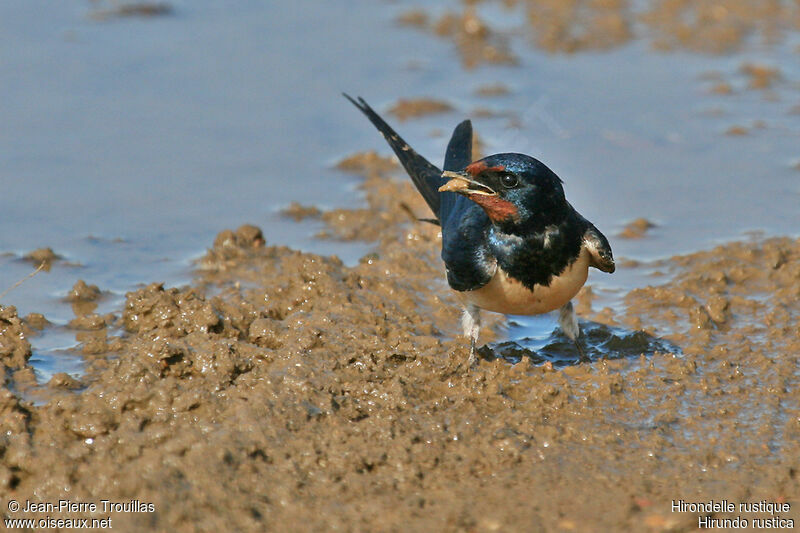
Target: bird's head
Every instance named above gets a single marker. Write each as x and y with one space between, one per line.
516 191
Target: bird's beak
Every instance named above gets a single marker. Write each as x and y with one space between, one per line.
462 183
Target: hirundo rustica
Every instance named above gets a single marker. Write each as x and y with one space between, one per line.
511 242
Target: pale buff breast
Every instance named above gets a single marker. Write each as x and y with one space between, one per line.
506 295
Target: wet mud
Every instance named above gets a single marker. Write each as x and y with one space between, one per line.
286 391
406 109
103 11
709 27
636 229
476 42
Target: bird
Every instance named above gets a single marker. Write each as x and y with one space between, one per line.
511 242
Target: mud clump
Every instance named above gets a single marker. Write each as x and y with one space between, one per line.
477 43
636 229
15 415
232 245
133 9
405 109
83 299
15 350
368 164
722 87
415 18
576 26
760 76
82 292
36 321
492 90
737 131
62 380
44 257
299 212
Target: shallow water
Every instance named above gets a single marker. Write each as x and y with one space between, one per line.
128 143
530 339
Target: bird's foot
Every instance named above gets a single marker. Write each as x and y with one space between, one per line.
472 360
471 321
568 321
582 357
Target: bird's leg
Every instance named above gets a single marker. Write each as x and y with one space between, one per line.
568 321
471 322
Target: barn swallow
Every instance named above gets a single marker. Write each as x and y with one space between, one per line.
511 242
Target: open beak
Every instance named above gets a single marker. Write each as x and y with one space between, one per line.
462 183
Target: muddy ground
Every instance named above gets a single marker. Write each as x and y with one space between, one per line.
285 391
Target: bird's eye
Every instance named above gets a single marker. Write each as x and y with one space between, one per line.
509 181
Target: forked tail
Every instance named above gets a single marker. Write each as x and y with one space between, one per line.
426 176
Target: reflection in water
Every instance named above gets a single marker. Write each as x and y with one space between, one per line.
599 342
